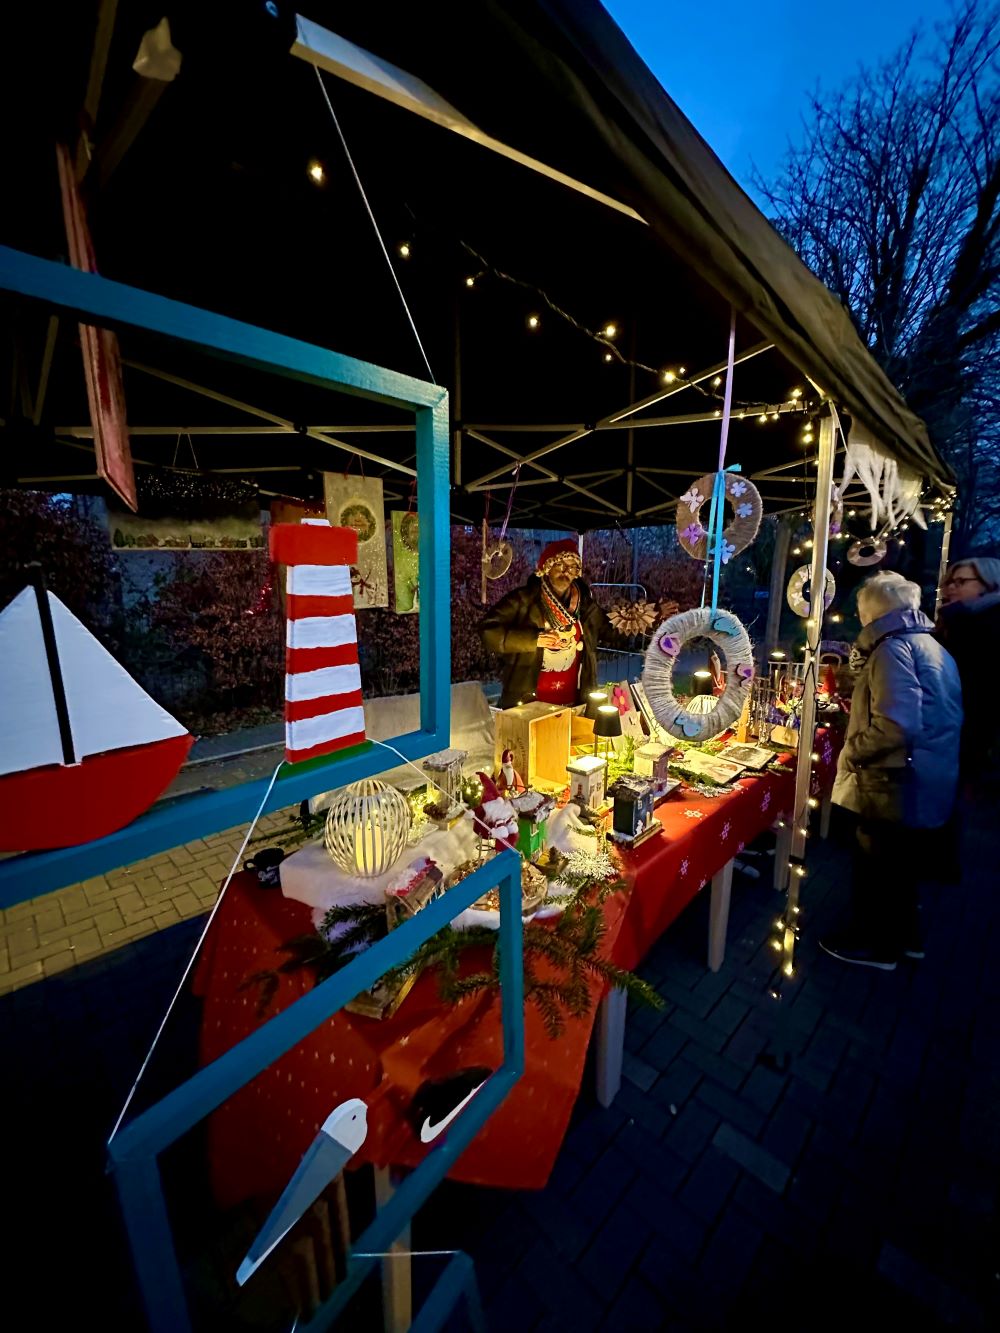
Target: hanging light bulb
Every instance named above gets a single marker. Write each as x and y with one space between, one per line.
762 418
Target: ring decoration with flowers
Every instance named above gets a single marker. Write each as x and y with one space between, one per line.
747 513
724 631
797 588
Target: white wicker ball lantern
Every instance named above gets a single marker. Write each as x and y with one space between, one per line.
366 828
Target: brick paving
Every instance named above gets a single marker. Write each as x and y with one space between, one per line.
859 1186
45 936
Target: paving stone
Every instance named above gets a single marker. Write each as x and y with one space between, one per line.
708 1038
768 1169
763 1088
777 1217
709 1185
691 1130
786 1133
637 1307
639 1072
657 1163
663 1045
733 1109
643 1109
715 1066
731 1251
681 1230
614 1250
676 1084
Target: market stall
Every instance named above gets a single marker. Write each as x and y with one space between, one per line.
596 291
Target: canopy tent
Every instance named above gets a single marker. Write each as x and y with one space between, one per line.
573 194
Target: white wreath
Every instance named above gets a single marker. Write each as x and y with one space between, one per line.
726 632
796 590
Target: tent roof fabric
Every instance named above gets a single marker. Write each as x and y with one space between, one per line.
675 181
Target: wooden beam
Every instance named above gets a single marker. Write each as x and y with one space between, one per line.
328 51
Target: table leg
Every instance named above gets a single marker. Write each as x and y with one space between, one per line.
782 852
610 1045
718 917
397 1299
825 806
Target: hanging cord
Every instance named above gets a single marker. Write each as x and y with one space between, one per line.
714 539
197 949
371 215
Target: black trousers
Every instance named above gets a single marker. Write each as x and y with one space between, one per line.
885 886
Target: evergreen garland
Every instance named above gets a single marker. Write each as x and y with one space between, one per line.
571 946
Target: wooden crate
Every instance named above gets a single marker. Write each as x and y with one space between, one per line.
538 735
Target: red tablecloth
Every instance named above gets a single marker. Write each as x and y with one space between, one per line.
257 1138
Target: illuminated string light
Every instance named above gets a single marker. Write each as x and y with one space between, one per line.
796 393
717 381
608 356
534 322
404 250
610 330
316 173
669 376
470 282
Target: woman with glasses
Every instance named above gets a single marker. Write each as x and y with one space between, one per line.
968 626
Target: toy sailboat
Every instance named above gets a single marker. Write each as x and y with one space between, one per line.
83 747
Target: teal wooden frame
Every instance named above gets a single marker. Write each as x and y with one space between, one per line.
136 1147
98 300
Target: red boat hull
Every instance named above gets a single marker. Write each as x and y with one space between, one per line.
63 806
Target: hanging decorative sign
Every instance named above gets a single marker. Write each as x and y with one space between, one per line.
725 631
869 552
406 561
323 707
232 527
796 591
102 365
83 747
356 502
737 536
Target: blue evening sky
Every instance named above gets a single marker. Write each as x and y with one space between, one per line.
740 71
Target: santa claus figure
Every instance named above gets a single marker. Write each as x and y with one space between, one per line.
494 817
508 780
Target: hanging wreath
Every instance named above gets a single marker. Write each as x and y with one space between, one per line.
867 551
747 510
632 617
796 591
726 632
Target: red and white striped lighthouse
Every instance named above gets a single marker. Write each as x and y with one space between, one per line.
323 706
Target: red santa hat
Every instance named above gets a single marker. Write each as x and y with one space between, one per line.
563 547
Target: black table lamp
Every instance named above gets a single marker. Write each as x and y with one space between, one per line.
607 723
594 701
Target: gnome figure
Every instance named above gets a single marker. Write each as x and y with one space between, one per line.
508 780
495 817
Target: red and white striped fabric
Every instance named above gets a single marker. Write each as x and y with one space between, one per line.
323 705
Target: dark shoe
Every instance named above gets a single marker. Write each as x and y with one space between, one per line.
856 953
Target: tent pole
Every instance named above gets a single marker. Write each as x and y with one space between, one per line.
775 597
814 638
943 565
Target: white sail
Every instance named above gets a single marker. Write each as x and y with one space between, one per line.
108 710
